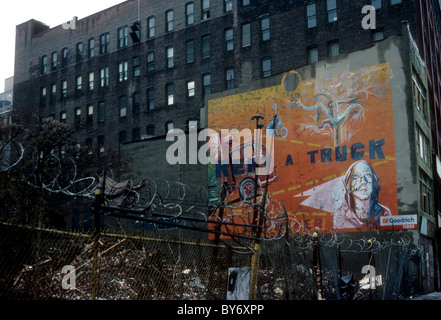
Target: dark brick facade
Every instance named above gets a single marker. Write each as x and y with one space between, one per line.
287 49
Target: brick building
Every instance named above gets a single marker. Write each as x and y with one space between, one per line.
114 88
119 84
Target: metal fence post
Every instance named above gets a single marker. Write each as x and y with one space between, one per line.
96 207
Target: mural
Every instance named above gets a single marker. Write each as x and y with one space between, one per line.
334 149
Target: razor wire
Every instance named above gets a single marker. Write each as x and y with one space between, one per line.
179 201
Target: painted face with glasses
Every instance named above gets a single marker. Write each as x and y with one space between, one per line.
361 181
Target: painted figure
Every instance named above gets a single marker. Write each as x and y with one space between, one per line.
360 207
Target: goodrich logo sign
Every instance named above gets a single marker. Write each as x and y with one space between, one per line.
399 222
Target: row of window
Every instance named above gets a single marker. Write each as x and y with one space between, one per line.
123 36
122 71
334 48
331 11
170 52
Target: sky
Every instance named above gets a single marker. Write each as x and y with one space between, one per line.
49 12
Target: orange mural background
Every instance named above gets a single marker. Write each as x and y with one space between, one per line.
320 119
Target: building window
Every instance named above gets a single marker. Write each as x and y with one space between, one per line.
91 81
170 95
63 116
229 77
104 43
169 18
91 48
122 136
333 49
150 61
331 10
189 51
43 94
123 37
266 67
89 114
425 193
206 82
205 9
228 5
101 144
151 22
377 35
122 106
80 48
394 2
136 102
77 117
246 35
123 71
136 67
311 16
265 29
53 93
136 134
376 4
64 89
169 126
79 84
44 65
150 98
245 3
312 55
101 111
64 57
170 57
89 143
419 96
189 13
205 47
423 146
229 44
54 60
104 77
190 88
150 131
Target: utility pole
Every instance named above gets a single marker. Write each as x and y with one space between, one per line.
317 265
96 208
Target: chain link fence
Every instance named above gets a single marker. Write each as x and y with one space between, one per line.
46 264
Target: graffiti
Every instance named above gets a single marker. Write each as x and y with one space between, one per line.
238 283
327 128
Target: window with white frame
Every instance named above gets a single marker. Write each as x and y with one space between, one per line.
266 67
425 193
331 10
104 76
170 94
246 35
151 23
123 37
189 13
123 71
170 57
419 95
229 45
190 88
333 49
311 16
312 55
265 29
205 9
423 146
169 17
